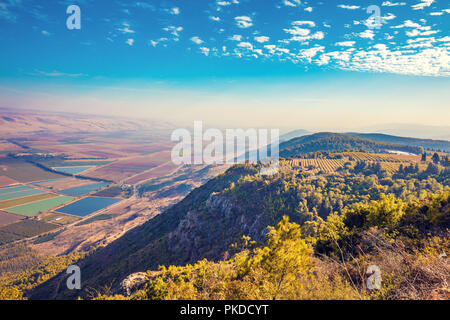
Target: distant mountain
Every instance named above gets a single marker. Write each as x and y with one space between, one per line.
428 144
410 130
294 134
327 141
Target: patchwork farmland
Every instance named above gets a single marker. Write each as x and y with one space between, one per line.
130 167
88 205
73 169
34 208
84 189
22 171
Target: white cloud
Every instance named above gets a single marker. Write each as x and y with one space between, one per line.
296 31
311 52
422 4
59 74
243 21
309 9
197 40
300 23
345 43
367 34
175 11
205 50
262 39
349 7
130 42
236 37
173 30
246 45
291 3
213 18
392 4
45 33
223 3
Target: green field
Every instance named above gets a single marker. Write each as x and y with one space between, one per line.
24 200
23 229
34 208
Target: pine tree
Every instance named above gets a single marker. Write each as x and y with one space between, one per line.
436 158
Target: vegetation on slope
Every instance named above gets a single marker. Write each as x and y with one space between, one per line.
336 142
406 240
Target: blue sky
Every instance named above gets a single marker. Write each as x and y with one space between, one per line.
290 63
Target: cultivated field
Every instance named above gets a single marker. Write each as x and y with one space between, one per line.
19 192
24 172
73 169
388 162
34 208
8 218
17 202
129 167
23 229
84 189
6 181
156 172
62 184
87 206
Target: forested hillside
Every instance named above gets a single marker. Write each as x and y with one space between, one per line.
406 242
336 142
429 144
212 220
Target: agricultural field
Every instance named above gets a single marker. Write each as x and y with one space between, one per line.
127 168
74 163
324 165
24 229
17 202
8 218
34 208
87 206
109 192
6 146
156 172
6 181
62 184
73 169
23 171
84 189
362 156
388 162
18 192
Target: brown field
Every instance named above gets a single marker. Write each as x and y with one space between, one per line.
159 171
59 218
17 202
100 149
129 167
8 218
6 181
8 146
24 172
62 184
